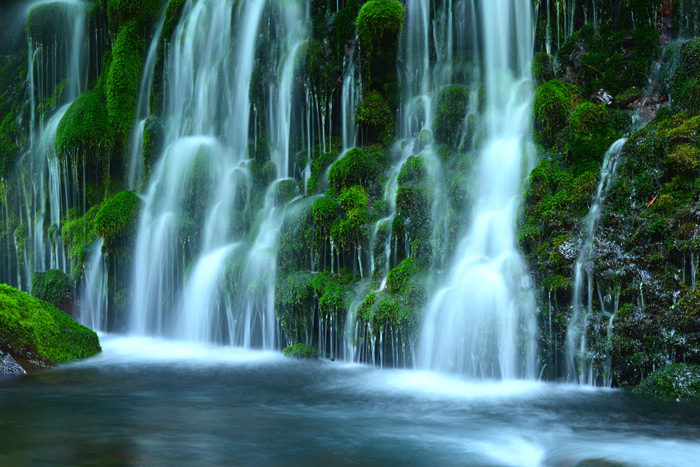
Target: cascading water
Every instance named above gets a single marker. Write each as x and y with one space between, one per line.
481 323
50 64
197 210
142 111
585 365
93 299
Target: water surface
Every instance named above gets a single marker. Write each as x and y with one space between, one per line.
150 402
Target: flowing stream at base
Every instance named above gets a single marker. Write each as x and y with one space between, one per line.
145 401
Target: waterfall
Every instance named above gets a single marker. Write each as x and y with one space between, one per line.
481 323
351 97
198 213
584 366
143 110
93 297
49 65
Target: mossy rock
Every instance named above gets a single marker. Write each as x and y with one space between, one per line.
379 24
542 70
375 116
325 212
48 23
450 114
301 351
355 168
592 130
38 335
676 382
124 79
52 286
118 216
551 111
143 12
172 17
85 126
78 234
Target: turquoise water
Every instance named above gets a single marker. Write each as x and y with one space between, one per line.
149 402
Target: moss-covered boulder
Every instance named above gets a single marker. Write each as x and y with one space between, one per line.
677 382
37 335
55 287
302 351
85 126
450 114
376 118
379 25
356 167
118 216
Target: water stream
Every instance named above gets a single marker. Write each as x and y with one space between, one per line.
481 322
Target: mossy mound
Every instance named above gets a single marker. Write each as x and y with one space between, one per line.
677 382
355 168
38 335
379 25
85 126
450 114
300 351
375 116
52 286
118 216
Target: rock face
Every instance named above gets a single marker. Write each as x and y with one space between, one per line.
36 335
8 365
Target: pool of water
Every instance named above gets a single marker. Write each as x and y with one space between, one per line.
149 402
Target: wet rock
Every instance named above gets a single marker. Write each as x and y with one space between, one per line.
603 97
8 365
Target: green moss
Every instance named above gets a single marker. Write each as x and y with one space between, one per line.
379 25
78 234
325 211
294 303
413 170
684 161
353 198
153 137
302 351
376 117
550 111
37 334
684 84
592 130
377 19
85 127
542 70
452 103
677 382
332 297
142 12
123 80
355 168
52 286
118 216
172 17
